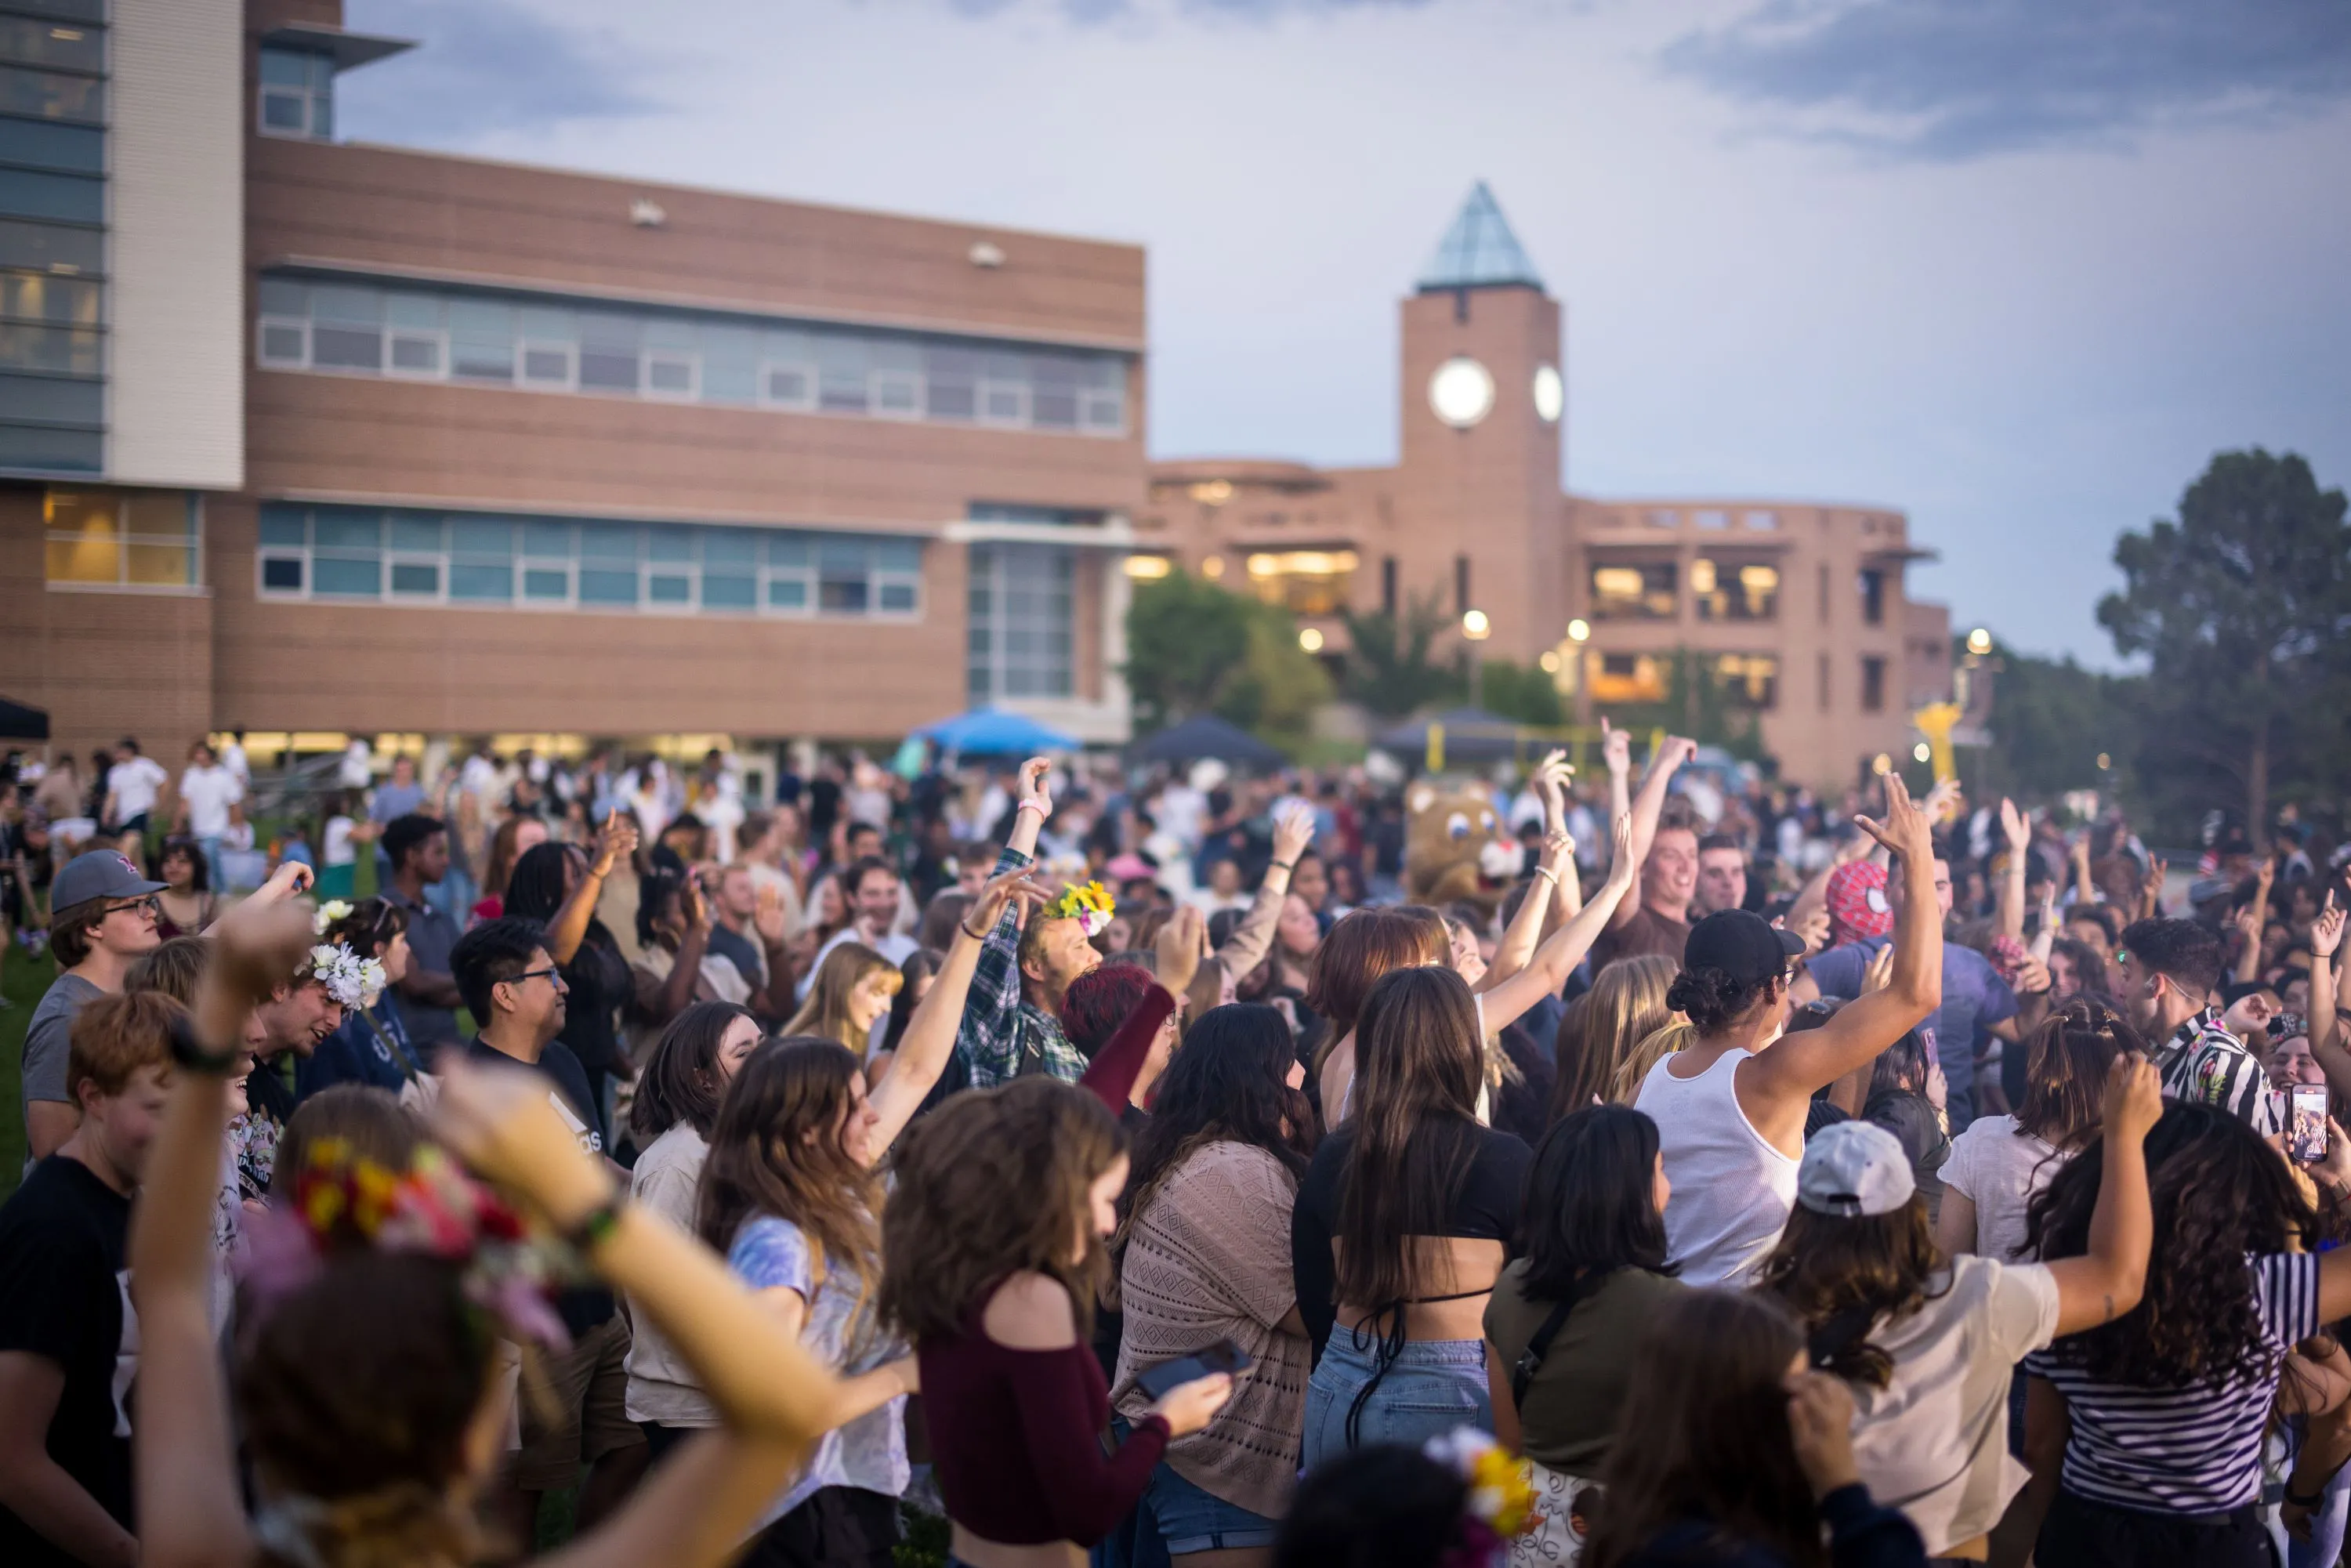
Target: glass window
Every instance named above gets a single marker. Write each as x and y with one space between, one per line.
841 371
729 592
48 44
551 540
546 584
70 351
1020 621
67 198
481 341
483 536
70 10
608 542
662 589
1872 684
729 547
841 582
46 95
1644 592
1711 518
1625 677
730 364
669 374
334 528
1052 392
284 343
490 581
546 364
45 399
602 585
282 296
348 577
297 94
283 524
1307 582
43 247
1873 597
1730 591
1750 681
951 383
48 145
788 593
420 579
41 296
415 533
669 544
281 574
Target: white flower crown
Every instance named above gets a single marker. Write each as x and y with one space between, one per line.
334 909
351 980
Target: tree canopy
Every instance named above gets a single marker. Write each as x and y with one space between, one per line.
1192 648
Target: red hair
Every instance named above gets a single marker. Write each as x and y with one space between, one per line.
1098 1002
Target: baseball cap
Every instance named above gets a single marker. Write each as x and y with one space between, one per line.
1855 1170
100 873
1858 909
1742 944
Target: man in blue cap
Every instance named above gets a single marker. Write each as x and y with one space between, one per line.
103 917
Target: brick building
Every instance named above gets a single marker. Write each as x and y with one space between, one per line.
313 438
1797 606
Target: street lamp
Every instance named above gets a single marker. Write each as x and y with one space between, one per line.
1980 641
1475 629
1579 630
1311 640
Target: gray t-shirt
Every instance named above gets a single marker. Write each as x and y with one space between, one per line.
45 1038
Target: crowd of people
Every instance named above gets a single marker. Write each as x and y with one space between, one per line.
1122 1167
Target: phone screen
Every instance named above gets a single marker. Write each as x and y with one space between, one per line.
1222 1356
2307 1139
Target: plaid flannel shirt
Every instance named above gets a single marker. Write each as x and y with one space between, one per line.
998 1027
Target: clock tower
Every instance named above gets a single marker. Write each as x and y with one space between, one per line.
1479 517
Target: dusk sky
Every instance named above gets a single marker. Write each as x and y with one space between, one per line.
2016 266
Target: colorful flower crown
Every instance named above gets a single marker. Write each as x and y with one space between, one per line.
1502 1503
1087 903
351 980
434 1208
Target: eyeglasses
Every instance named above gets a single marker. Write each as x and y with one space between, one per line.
151 903
551 973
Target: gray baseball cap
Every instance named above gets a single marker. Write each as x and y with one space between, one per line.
1855 1170
100 873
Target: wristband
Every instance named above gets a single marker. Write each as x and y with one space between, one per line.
1042 810
975 935
1548 874
596 1226
2314 1500
1282 865
189 1052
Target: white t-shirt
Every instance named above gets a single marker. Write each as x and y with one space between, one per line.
208 793
1934 1442
134 786
896 947
336 849
661 1386
1999 1170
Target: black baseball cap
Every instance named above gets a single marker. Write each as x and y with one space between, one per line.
1742 944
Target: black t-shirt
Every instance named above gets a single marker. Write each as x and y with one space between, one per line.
584 1309
1485 1206
65 1297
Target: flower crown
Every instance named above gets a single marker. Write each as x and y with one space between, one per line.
1087 903
351 980
433 1209
1501 1506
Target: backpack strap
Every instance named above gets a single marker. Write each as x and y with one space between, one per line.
1530 1360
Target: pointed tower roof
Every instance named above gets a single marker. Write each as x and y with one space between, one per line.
1478 250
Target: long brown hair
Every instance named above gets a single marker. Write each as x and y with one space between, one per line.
1705 1435
988 1186
1418 1064
776 1149
1363 945
2066 1067
825 1014
1827 1264
1625 1005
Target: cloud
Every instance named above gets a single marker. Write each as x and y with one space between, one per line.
1946 80
487 66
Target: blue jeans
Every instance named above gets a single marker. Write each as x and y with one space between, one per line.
1432 1387
1192 1519
1134 1542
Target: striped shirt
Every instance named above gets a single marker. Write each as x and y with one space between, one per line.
2204 1064
2184 1450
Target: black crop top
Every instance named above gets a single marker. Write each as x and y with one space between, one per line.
1485 1208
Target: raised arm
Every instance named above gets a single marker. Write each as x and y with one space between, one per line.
1799 1063
1122 1071
1246 948
2019 832
183 1453
614 842
2108 1281
930 1035
1648 806
1547 971
1519 938
677 986
988 1036
1030 811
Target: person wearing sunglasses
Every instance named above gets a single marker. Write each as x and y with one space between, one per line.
102 920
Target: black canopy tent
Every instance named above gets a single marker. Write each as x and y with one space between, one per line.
1207 736
21 721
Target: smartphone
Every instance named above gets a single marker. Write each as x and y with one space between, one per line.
2307 1140
1222 1356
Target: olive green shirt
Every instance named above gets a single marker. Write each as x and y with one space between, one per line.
1574 1407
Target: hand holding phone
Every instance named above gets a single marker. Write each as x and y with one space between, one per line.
2307 1133
1222 1356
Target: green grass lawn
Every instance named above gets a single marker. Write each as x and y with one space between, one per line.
23 978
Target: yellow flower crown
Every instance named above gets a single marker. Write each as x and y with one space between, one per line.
1087 903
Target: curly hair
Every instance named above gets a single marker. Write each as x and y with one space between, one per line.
1713 999
1826 1264
2218 1193
991 1184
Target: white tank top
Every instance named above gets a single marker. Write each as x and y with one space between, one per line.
1731 1189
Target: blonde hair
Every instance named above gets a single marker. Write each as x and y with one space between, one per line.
825 1014
1625 1005
1670 1041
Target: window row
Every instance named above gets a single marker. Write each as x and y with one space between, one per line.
1021 628
46 144
52 95
123 538
1721 589
1713 520
684 356
411 556
51 41
297 94
1749 682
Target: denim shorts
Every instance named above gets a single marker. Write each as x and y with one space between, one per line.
1191 1519
1431 1387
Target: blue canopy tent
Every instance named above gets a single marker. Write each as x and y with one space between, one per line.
994 732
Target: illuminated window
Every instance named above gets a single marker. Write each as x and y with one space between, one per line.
1728 590
1147 568
1748 680
1642 592
129 540
1306 582
1625 677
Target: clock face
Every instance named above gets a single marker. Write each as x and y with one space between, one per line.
1550 393
1461 393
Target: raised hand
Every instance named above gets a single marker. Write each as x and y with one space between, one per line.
1820 1420
690 904
1034 793
768 919
615 841
502 1122
1621 867
2133 1101
1016 883
1944 801
291 878
2033 977
2015 826
1293 832
2326 931
1616 748
1183 943
1906 832
257 948
1558 851
1813 928
1880 972
1676 751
